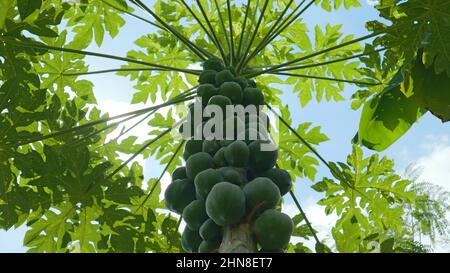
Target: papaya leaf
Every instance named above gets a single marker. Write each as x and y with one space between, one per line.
417 24
294 155
430 90
388 116
374 205
329 5
298 248
91 21
47 233
376 68
66 194
27 7
5 7
308 88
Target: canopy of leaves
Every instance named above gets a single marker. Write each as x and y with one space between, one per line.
416 40
369 204
65 178
417 24
428 89
388 116
60 187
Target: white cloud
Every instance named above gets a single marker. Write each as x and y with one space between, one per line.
432 141
436 163
321 222
435 166
373 2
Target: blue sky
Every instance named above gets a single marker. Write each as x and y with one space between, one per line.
427 143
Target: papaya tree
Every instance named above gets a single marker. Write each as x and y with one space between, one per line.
62 175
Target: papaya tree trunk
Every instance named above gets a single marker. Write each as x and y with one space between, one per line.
238 239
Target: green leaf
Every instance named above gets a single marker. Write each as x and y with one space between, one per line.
27 7
92 20
5 7
293 154
417 24
83 5
375 204
322 248
139 97
61 188
377 68
298 248
302 231
388 116
320 186
329 5
387 246
325 38
47 233
42 31
430 90
87 230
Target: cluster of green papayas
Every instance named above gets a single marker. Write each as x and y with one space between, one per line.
230 181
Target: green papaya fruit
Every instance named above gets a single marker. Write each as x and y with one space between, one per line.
219 158
194 214
232 90
251 174
224 76
281 178
237 154
208 76
205 181
263 155
198 163
190 240
192 147
211 146
210 231
225 142
261 194
179 194
236 176
273 229
179 173
225 204
220 101
209 246
206 92
252 96
242 82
